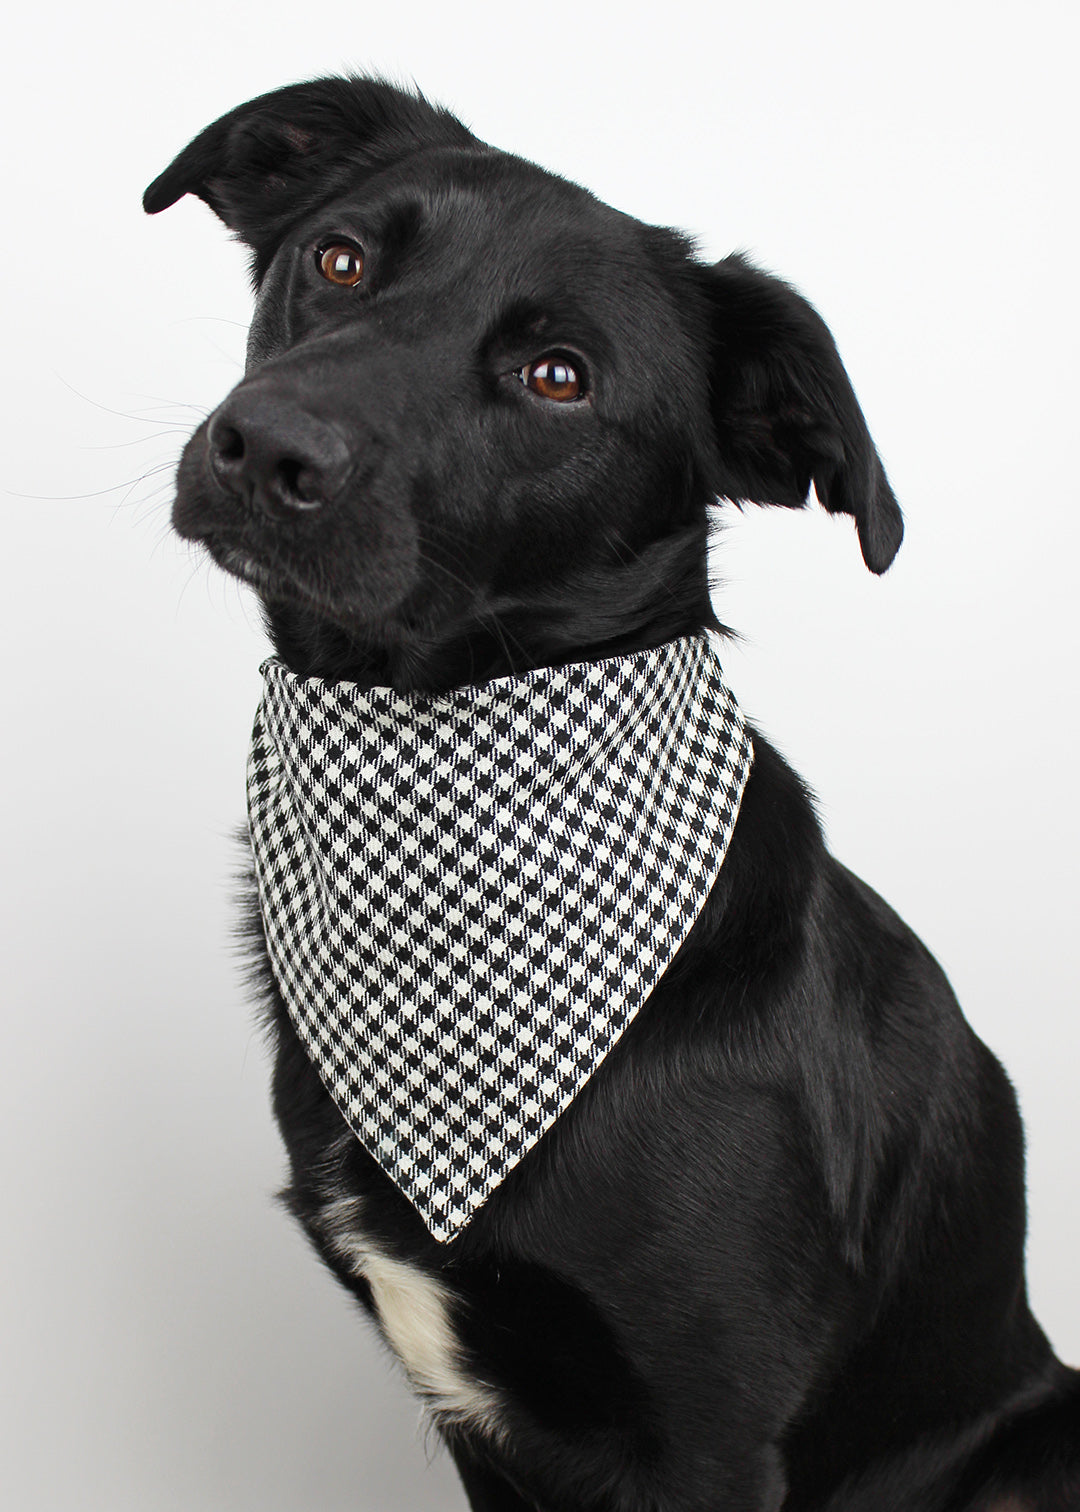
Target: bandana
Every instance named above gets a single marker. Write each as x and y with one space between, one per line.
467 897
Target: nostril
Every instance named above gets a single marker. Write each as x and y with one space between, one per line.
300 485
227 450
228 443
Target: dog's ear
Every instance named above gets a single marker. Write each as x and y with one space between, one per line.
265 163
784 411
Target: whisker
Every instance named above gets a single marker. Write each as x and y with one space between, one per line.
490 617
616 540
429 561
159 403
162 491
108 410
139 440
96 493
195 566
241 325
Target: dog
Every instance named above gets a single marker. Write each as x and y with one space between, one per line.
770 1256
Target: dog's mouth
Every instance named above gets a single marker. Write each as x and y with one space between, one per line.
365 590
279 584
240 564
236 539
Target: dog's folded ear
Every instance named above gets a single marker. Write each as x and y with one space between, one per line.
784 411
265 163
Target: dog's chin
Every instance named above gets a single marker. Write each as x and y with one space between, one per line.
364 612
360 597
240 564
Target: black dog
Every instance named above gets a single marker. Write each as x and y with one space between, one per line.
771 1256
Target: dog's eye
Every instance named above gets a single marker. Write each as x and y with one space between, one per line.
553 378
342 263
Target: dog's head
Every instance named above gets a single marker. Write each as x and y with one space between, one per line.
484 415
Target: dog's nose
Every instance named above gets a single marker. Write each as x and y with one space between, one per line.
274 454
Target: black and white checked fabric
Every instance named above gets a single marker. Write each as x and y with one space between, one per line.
468 897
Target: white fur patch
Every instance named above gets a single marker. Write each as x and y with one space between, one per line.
413 1310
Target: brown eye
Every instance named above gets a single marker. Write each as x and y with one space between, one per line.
553 378
341 263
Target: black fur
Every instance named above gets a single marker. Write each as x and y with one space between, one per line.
772 1256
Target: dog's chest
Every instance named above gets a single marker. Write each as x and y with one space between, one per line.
415 1311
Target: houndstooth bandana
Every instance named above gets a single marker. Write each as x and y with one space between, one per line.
467 897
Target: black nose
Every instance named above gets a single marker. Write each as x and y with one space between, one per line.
274 454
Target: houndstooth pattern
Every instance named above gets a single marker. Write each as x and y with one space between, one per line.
467 897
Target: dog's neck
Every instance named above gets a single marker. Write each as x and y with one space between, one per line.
430 664
597 617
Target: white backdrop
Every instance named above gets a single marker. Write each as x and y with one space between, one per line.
166 1342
